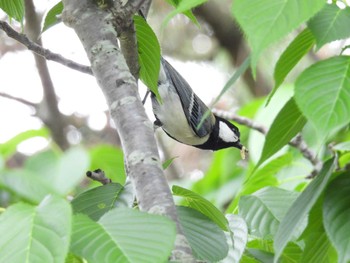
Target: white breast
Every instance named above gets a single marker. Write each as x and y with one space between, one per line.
173 118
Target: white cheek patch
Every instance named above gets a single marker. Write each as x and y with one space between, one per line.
226 134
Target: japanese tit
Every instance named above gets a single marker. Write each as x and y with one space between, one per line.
182 110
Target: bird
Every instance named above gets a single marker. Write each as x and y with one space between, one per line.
180 112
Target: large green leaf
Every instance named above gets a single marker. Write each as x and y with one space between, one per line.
331 23
297 49
70 170
207 240
8 148
287 124
336 213
42 164
318 248
26 184
266 21
13 8
51 16
36 234
97 201
265 176
110 159
237 238
202 205
300 208
149 54
264 210
322 93
47 173
292 253
123 235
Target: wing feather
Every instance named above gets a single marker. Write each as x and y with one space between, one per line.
194 107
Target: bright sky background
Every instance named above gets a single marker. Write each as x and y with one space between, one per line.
77 92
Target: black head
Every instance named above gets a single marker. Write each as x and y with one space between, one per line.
224 135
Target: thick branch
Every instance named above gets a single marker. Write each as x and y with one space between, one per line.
96 32
297 142
43 51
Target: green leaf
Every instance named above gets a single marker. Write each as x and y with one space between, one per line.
292 253
287 124
36 234
301 207
187 13
330 24
13 8
336 213
26 184
296 50
261 255
185 8
265 176
343 146
70 170
264 210
322 93
47 173
207 240
202 205
149 54
71 258
168 162
42 164
110 159
318 248
97 201
51 16
237 238
123 235
9 148
266 21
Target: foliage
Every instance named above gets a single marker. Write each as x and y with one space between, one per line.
273 213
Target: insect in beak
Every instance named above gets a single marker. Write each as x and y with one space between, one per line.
244 152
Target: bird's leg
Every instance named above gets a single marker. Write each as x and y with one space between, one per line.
157 124
145 98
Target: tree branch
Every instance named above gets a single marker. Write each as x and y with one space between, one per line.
23 39
51 115
23 101
296 142
96 32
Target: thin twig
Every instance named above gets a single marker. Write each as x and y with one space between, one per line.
296 142
43 51
23 101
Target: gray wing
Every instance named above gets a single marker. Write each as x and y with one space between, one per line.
193 107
